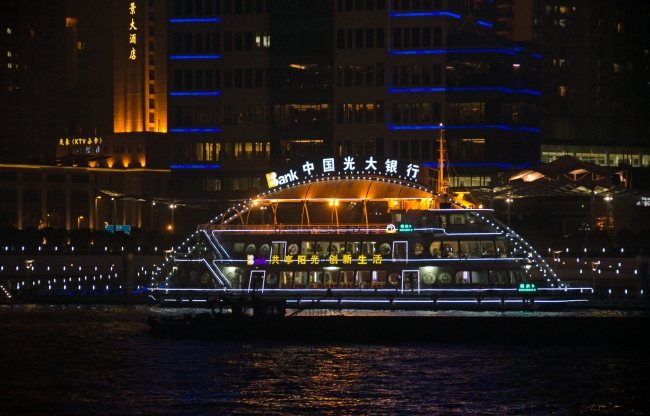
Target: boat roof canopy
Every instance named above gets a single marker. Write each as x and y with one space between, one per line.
349 189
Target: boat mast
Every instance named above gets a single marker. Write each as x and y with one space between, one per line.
442 183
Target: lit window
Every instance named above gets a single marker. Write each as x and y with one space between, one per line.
535 22
80 45
618 67
562 23
563 9
9 54
8 31
619 27
561 63
562 90
9 65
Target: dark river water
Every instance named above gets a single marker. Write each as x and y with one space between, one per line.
82 360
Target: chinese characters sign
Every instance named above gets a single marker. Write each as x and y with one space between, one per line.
132 32
333 259
77 141
349 165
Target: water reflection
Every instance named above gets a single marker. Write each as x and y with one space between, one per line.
100 360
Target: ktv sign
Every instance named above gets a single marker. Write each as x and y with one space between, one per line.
348 164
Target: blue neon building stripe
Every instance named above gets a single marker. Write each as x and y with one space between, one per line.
196 20
439 51
482 23
536 55
204 130
185 93
456 89
428 14
195 57
484 126
195 167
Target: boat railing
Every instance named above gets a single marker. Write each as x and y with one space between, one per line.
351 228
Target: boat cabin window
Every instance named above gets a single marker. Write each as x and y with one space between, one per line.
337 247
278 248
265 250
250 249
394 279
457 219
300 279
347 278
368 247
271 279
307 247
488 248
469 249
323 248
286 279
434 248
462 277
379 278
354 247
418 248
399 250
238 248
502 251
480 277
330 278
498 276
449 249
293 249
315 278
516 276
385 249
363 278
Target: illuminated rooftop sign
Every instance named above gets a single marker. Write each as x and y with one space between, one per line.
349 165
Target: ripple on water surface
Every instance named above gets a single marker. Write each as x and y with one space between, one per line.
74 360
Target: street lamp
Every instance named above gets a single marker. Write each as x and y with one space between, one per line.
96 219
608 201
172 206
594 267
79 218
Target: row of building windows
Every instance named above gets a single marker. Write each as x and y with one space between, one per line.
217 115
360 113
359 75
200 42
416 75
416 113
211 79
217 7
360 5
38 177
416 37
219 152
416 4
360 38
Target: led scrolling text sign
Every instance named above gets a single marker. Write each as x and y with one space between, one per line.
132 29
329 165
315 259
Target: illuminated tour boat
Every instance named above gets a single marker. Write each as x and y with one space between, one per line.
360 232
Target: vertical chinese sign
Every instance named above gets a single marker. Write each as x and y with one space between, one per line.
132 32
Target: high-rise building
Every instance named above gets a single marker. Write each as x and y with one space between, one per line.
32 79
254 83
595 75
